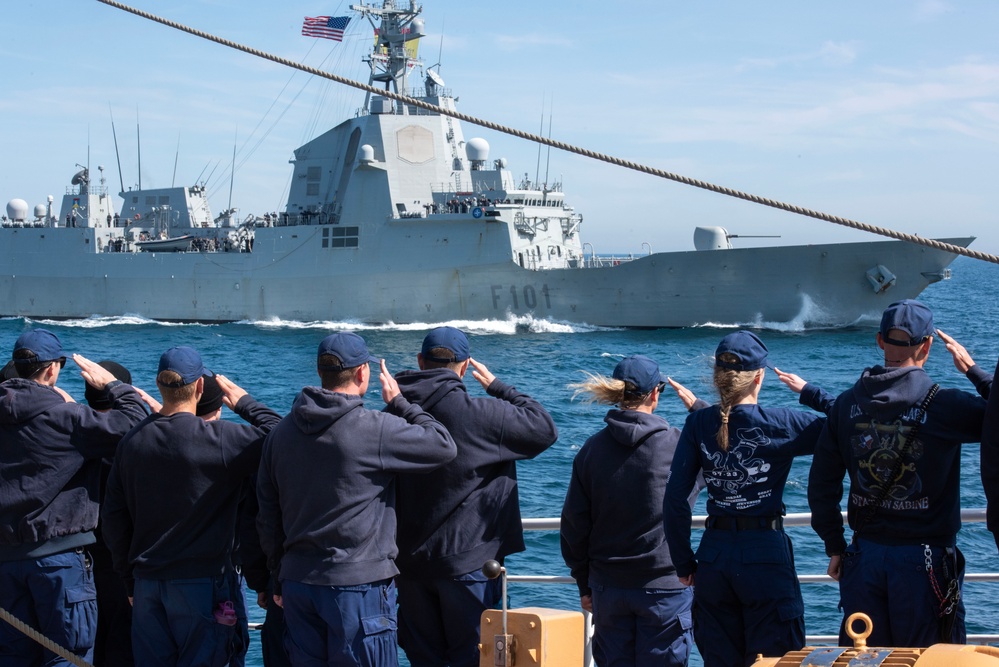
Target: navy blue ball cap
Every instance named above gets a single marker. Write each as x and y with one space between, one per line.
42 343
909 316
448 338
9 371
639 371
750 352
346 346
185 362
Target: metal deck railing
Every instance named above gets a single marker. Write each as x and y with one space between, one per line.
971 515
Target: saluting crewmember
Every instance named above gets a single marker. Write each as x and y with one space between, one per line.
50 465
169 516
326 490
457 517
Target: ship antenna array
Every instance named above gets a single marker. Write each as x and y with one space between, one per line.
569 148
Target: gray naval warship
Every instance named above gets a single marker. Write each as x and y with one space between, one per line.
393 216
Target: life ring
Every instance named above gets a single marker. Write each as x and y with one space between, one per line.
137 216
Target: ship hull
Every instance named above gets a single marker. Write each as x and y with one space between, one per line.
49 273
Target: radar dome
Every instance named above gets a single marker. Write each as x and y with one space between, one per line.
17 209
477 149
367 153
41 210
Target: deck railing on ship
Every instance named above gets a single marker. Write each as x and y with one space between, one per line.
971 515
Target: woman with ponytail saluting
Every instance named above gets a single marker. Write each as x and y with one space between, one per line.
747 600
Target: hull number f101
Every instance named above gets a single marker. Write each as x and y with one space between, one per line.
518 297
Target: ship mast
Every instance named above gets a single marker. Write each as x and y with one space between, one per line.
390 60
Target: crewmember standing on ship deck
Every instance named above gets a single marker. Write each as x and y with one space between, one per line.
457 517
169 517
899 438
327 495
612 522
747 600
49 476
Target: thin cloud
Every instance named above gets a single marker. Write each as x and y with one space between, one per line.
830 53
928 10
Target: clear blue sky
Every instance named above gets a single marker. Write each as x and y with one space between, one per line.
885 112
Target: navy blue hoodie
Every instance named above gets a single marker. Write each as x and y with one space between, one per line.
865 430
170 507
455 518
50 465
326 485
612 520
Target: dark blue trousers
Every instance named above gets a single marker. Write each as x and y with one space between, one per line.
439 618
113 646
644 627
341 625
891 584
747 599
54 595
173 622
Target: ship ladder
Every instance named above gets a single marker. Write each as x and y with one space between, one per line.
39 638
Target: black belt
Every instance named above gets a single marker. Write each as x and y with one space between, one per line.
745 522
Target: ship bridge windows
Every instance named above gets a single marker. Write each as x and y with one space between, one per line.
340 237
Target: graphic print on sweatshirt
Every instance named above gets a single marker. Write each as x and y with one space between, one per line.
877 449
738 468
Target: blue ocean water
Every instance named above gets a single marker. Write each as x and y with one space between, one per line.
273 360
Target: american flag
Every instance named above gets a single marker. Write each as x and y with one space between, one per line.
327 27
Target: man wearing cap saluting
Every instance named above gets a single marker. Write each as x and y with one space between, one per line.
169 516
457 517
49 477
899 437
327 523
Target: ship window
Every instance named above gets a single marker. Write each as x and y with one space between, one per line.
150 200
340 237
314 174
164 200
311 189
135 200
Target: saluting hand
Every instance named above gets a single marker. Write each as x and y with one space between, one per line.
231 392
481 373
154 405
390 388
65 396
962 360
687 397
793 382
93 374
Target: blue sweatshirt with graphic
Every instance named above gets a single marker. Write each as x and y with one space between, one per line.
868 429
745 480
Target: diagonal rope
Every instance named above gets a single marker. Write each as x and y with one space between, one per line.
569 148
31 633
